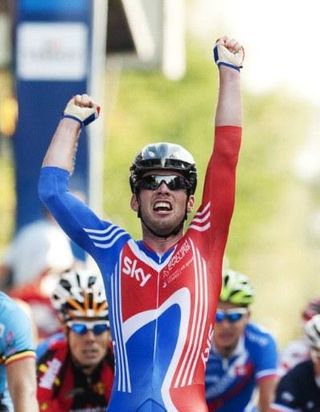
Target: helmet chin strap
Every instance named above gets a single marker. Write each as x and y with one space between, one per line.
173 232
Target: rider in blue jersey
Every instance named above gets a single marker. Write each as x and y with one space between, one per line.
17 359
243 356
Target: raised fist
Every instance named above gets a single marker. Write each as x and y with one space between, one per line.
228 52
82 108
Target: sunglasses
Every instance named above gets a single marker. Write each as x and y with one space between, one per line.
81 328
230 315
173 182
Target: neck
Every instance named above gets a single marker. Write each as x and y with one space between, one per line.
159 244
226 351
85 369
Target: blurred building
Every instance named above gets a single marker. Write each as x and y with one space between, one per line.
148 35
61 48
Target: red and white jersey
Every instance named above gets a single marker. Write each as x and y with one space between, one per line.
161 307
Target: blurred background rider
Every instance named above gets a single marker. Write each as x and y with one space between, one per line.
17 359
298 350
31 264
75 367
243 356
299 388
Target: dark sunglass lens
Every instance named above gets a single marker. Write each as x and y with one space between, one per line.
219 316
175 182
182 183
99 329
172 182
79 328
148 183
230 317
152 182
234 317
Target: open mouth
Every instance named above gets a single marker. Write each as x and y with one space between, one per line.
162 206
90 352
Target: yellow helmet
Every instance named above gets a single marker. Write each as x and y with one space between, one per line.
236 288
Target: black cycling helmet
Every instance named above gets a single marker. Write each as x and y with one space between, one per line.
168 156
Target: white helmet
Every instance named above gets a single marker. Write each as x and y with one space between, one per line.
80 294
312 331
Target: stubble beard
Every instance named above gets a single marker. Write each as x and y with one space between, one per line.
162 229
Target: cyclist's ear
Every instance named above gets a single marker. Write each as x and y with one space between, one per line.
190 203
134 203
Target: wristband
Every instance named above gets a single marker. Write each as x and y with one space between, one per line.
227 58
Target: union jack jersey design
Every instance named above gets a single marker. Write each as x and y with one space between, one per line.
161 307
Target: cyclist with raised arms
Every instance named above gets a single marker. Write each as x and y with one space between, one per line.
162 290
243 359
75 367
299 388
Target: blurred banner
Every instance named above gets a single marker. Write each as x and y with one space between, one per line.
59 49
52 61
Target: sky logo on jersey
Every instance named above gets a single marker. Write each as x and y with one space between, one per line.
130 269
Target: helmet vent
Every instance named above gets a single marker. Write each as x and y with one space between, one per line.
80 294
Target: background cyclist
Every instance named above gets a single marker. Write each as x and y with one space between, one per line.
299 388
243 356
75 367
298 350
17 360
